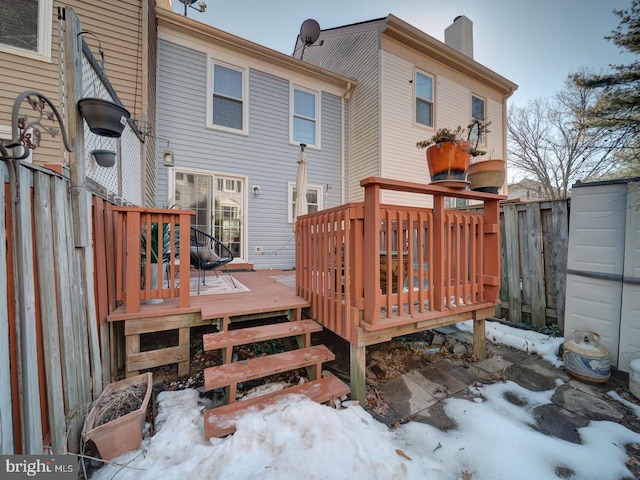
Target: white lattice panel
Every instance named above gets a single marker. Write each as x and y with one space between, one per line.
124 178
131 155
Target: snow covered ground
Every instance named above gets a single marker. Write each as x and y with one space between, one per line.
299 439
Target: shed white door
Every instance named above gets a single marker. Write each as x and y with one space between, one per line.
630 312
595 263
603 268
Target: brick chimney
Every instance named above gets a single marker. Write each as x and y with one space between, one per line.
459 35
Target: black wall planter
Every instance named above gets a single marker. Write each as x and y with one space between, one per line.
104 118
104 158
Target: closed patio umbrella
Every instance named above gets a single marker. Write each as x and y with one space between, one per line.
300 207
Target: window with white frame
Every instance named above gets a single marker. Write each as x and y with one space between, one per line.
305 117
228 103
424 99
477 112
25 27
314 199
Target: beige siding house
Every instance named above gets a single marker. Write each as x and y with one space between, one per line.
31 60
394 64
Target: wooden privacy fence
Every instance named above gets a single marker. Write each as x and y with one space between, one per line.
55 297
50 366
534 248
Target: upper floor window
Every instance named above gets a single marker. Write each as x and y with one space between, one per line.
477 111
25 27
424 99
228 103
305 117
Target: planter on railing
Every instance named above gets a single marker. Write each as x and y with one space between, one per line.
448 163
487 176
104 118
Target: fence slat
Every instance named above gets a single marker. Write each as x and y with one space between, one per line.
534 259
71 387
512 260
26 316
89 300
6 419
47 295
560 226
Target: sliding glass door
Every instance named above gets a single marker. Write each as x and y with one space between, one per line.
219 203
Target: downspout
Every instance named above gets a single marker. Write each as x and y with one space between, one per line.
505 148
347 95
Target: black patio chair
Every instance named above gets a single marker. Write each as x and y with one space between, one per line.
209 253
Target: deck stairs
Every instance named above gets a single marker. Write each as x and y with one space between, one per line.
220 421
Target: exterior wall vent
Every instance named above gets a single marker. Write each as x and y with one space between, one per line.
459 35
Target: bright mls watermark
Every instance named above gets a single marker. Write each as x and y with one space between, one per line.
49 467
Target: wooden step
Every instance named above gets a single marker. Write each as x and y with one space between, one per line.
221 421
244 336
230 374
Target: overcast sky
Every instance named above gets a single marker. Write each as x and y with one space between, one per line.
535 44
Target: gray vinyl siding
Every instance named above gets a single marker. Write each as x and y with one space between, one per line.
264 156
355 54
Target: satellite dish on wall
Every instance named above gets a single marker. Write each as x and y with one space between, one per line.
309 32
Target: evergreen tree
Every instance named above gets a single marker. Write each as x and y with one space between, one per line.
619 106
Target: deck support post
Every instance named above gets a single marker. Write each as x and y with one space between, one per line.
358 366
479 340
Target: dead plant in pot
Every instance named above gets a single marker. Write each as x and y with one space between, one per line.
449 152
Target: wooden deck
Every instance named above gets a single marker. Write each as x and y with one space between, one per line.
267 297
367 271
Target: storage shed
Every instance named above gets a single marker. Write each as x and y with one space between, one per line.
603 270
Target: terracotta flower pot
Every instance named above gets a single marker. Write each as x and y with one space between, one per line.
117 436
448 161
487 176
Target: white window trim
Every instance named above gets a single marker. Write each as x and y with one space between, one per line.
316 93
290 202
245 98
45 21
483 142
433 101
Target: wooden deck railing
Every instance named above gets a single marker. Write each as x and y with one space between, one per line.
379 266
133 274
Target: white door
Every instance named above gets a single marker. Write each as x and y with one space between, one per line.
595 263
630 312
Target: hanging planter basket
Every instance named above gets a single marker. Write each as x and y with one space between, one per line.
104 118
104 158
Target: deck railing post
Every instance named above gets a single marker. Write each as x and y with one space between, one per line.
371 251
133 260
491 251
184 255
438 259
